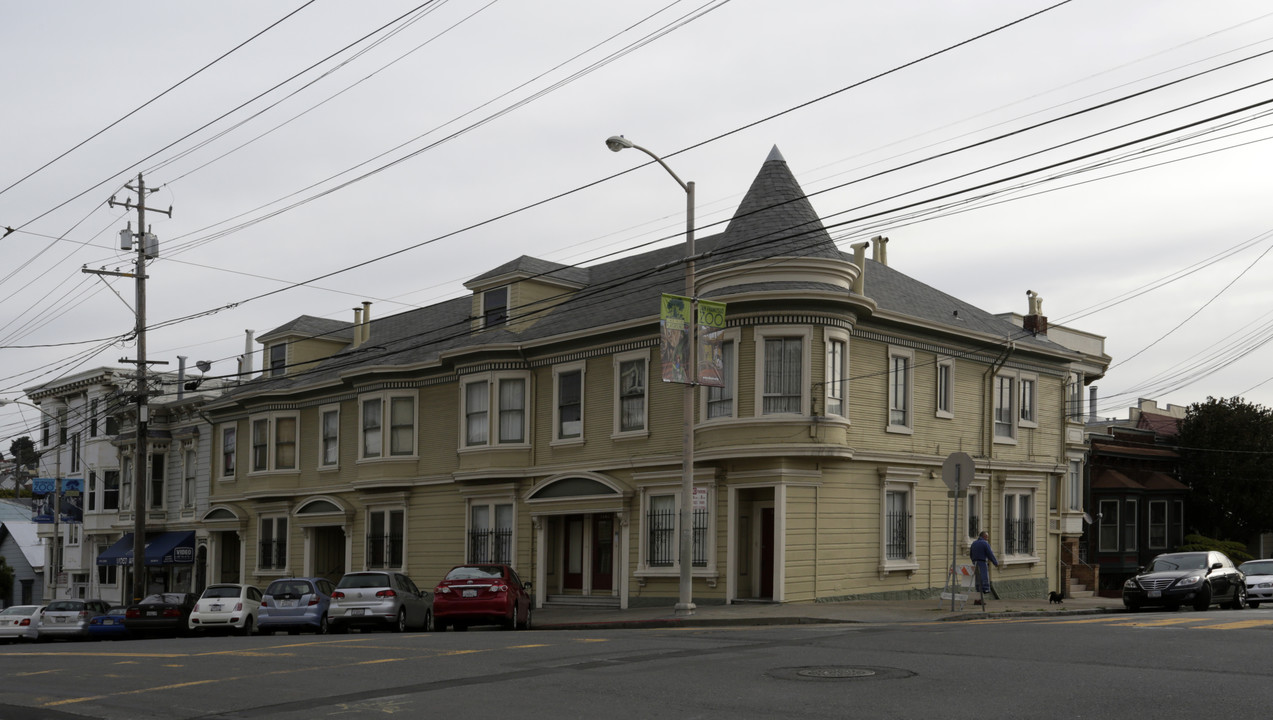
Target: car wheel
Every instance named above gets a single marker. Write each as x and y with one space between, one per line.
511 622
1203 601
400 625
322 626
1253 604
428 622
249 625
1239 598
526 625
1131 606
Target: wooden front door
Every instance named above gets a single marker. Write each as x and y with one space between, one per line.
328 552
766 558
573 552
602 553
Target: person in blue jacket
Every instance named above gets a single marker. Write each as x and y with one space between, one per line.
981 554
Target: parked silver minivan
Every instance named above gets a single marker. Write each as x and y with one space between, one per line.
379 598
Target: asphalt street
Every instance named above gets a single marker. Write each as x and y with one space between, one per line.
1028 665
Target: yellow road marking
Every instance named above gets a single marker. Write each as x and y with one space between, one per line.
95 654
523 647
1160 622
37 672
1236 625
591 640
1083 621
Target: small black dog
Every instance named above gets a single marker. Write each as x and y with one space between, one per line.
1055 597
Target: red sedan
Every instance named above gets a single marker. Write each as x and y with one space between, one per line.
481 594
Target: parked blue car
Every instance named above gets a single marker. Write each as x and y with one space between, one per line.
295 604
109 626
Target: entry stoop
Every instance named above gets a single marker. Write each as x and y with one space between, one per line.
1079 590
592 601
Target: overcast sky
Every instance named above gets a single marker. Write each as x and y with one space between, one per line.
416 146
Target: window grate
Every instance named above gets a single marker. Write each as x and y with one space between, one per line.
491 546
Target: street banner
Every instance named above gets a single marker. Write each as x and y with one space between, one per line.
674 346
711 338
70 504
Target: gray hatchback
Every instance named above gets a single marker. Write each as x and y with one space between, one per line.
379 598
70 618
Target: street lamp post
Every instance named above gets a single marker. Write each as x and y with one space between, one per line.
685 605
57 495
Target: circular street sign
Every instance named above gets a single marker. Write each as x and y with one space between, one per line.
957 471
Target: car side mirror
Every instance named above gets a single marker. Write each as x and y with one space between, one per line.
1216 566
526 586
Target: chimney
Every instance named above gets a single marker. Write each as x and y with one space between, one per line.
357 329
246 366
366 320
1091 403
1035 322
181 376
859 259
879 244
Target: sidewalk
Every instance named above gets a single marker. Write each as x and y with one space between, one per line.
863 611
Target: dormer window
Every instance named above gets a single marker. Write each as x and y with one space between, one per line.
494 307
278 359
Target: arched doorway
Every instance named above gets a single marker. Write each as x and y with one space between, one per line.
581 542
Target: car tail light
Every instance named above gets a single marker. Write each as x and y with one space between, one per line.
83 614
265 603
238 607
132 613
313 601
25 622
172 612
338 595
499 588
441 590
386 593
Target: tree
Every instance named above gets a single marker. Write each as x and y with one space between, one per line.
1226 449
23 451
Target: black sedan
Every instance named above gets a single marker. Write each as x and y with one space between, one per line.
1200 579
160 614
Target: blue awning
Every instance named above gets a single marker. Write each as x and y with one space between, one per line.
168 548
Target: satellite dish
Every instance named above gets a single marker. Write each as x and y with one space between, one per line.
203 365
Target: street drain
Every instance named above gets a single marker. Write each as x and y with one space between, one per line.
840 672
835 672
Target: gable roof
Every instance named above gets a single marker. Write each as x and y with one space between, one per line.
312 327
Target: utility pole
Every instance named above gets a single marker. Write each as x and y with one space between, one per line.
147 247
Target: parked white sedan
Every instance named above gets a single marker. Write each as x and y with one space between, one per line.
20 622
227 607
1259 581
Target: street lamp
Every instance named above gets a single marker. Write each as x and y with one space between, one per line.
57 493
685 606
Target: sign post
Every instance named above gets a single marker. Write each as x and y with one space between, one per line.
957 472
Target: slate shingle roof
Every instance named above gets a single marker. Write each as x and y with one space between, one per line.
774 220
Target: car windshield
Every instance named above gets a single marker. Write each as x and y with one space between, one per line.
75 605
18 610
288 588
164 599
476 572
1257 567
1167 563
222 591
364 580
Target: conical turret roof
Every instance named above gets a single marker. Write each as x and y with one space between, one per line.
775 219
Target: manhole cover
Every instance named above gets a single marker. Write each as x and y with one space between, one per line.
819 673
835 672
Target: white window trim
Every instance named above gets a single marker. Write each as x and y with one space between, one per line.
221 433
1014 487
907 428
386 508
188 500
1034 399
829 336
643 567
386 430
493 409
270 370
1013 411
763 333
949 365
322 411
1074 485
508 301
271 443
617 363
162 506
490 502
731 335
274 517
904 480
558 371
